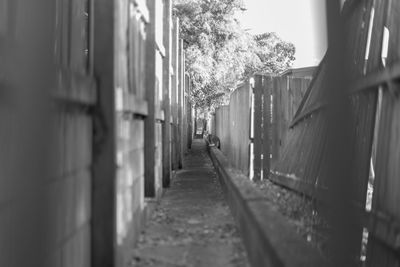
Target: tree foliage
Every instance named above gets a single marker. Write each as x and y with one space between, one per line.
275 54
220 53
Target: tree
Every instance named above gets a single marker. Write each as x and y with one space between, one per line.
275 54
220 53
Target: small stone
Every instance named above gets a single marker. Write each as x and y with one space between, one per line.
193 221
308 238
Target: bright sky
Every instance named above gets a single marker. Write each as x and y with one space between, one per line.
301 22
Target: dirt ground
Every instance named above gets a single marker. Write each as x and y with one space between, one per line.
192 226
300 212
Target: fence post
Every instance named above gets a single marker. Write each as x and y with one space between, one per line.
150 142
267 89
181 70
167 100
339 161
188 113
275 120
257 130
174 91
103 199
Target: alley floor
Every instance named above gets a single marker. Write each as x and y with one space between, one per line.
192 226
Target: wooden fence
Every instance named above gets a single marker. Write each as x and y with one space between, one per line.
232 126
298 140
251 117
297 135
371 69
149 109
221 128
286 94
94 120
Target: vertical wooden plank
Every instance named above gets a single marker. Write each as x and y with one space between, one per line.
285 111
180 103
79 36
185 107
346 233
151 100
239 130
257 138
385 197
174 93
24 216
167 100
231 130
90 37
3 18
247 125
184 118
275 120
65 53
223 133
267 87
188 112
103 195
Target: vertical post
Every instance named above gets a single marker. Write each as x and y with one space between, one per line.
167 89
180 103
27 75
185 109
104 165
267 88
188 112
275 120
191 114
184 115
346 234
195 122
174 94
257 124
149 130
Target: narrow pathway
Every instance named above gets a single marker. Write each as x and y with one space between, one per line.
192 226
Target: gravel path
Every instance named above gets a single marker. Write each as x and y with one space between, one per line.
192 226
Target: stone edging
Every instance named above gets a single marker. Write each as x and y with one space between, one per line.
269 239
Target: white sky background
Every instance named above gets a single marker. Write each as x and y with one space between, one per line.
301 22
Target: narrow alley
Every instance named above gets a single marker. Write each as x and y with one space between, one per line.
192 226
156 133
